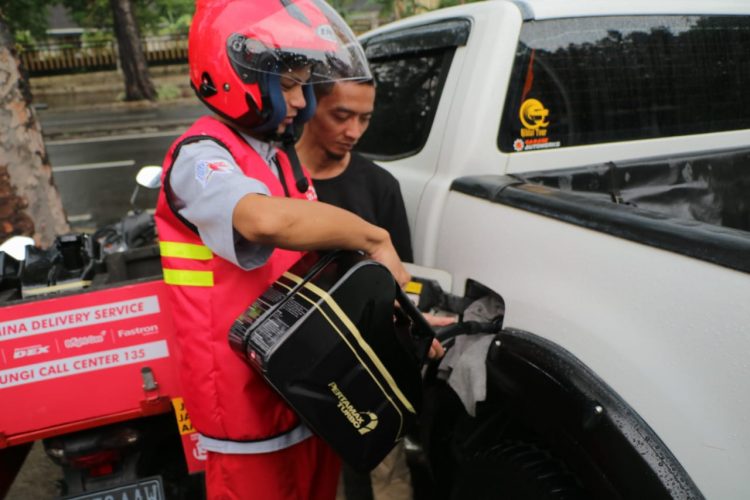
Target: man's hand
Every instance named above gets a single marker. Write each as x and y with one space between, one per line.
433 320
437 351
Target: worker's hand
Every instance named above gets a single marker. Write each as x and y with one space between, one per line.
437 351
433 320
386 255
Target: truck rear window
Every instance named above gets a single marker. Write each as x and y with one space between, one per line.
408 91
605 79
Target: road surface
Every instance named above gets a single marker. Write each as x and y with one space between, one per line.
95 155
96 176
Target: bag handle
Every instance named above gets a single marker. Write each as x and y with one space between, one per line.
421 332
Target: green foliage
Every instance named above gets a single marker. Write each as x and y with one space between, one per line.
168 92
27 19
165 16
24 38
95 38
451 3
90 13
395 9
342 6
26 15
153 16
169 11
181 25
407 8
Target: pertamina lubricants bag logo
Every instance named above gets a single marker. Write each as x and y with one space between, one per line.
363 421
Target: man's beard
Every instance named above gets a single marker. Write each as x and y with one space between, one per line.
334 156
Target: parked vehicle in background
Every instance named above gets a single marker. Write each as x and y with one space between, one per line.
586 163
86 363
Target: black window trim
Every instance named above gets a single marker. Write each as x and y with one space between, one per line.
453 32
722 246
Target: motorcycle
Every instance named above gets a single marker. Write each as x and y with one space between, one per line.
134 458
75 260
137 229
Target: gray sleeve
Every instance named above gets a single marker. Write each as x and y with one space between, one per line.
207 184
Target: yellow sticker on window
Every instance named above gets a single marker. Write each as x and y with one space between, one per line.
534 120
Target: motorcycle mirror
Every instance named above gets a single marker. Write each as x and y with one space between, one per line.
16 247
149 176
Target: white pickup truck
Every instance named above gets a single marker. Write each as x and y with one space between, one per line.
588 163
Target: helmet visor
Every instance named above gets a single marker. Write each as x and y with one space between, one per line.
298 34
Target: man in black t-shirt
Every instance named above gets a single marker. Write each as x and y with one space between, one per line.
373 193
350 181
344 178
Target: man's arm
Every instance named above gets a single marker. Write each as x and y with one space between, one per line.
300 225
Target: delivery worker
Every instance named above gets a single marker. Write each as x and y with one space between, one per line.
234 213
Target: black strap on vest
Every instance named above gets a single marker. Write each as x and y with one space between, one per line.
282 176
288 140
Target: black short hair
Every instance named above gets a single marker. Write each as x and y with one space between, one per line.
322 89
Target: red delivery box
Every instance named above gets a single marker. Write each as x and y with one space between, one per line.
83 360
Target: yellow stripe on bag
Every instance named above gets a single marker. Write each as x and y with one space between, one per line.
184 250
354 351
357 336
188 278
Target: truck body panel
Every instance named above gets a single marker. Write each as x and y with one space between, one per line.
661 329
645 282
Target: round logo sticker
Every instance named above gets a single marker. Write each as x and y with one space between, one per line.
533 114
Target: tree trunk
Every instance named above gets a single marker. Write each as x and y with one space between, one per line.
138 85
29 201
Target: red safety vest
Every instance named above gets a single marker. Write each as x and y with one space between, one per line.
225 398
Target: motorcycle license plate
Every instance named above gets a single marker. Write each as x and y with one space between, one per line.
149 488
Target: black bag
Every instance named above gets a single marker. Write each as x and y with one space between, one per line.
328 337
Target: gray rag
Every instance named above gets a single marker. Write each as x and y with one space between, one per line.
464 363
468 374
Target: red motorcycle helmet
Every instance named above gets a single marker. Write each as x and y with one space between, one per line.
239 49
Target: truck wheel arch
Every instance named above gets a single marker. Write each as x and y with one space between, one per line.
542 396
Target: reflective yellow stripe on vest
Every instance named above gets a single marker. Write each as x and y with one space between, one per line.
186 277
184 250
